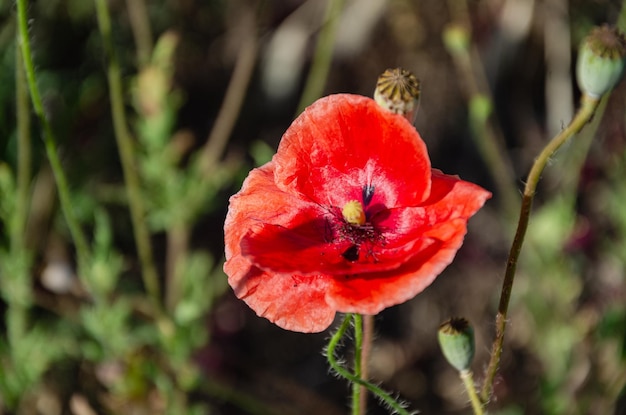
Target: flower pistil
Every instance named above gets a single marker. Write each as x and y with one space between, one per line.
353 213
356 229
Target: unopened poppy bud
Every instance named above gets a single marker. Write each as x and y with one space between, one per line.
353 213
398 91
456 339
601 61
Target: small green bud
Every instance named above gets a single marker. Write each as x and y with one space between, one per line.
456 339
398 91
601 61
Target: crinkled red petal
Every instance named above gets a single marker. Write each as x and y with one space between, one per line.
451 204
344 142
288 300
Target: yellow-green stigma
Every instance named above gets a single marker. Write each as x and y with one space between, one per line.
353 213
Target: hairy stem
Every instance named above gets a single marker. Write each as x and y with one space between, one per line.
385 397
584 114
125 146
80 242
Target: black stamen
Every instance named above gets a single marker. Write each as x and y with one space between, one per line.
368 193
351 254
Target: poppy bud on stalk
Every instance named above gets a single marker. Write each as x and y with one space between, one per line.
601 61
398 91
456 339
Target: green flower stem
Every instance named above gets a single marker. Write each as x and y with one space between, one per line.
582 117
17 308
323 55
24 158
80 242
358 350
385 397
125 146
468 382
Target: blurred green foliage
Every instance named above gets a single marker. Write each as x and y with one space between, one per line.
136 348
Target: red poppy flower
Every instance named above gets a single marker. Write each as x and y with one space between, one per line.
348 216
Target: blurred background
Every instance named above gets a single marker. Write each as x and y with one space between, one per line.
208 88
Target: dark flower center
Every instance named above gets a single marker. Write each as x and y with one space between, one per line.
355 226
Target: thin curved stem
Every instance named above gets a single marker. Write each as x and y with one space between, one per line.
385 397
584 114
80 242
125 146
17 306
24 158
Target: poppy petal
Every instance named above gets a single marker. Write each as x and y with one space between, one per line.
452 203
372 293
259 201
290 301
344 142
